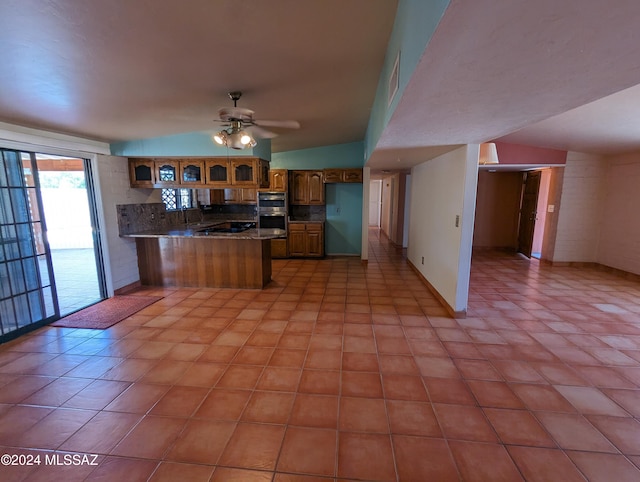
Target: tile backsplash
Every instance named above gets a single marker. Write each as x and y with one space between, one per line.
134 218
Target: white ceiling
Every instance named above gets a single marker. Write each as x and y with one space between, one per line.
543 73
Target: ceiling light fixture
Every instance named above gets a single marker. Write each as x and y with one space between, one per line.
235 137
488 154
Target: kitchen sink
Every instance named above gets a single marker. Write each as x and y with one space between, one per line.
230 227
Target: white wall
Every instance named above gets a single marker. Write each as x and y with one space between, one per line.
580 217
121 261
441 189
619 244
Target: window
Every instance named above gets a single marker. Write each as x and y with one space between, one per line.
175 199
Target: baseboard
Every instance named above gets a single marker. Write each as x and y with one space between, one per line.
453 313
128 288
598 266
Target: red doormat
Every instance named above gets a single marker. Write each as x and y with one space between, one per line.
106 313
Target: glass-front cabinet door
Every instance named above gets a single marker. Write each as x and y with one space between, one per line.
243 172
192 172
166 173
217 172
141 172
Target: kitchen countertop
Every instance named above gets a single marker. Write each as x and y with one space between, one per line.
192 231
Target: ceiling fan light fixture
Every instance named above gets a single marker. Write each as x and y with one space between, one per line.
220 138
234 138
245 139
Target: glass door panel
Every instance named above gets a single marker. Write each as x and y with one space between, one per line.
26 296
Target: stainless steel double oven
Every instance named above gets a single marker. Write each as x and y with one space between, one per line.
272 210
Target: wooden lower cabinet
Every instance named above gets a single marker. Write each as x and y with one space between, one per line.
306 239
279 248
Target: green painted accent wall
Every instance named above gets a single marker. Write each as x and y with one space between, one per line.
343 229
338 155
189 144
415 22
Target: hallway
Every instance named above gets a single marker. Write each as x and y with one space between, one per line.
341 371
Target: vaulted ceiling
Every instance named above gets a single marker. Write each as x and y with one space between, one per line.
544 73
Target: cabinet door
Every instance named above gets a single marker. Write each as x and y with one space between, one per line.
192 172
314 240
297 240
279 248
217 172
332 175
316 187
217 196
352 175
263 180
243 172
248 196
167 172
231 196
141 173
278 180
299 187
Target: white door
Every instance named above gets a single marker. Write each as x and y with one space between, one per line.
374 202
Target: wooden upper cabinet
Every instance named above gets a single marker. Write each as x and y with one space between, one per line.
240 196
191 172
278 180
332 175
241 172
167 173
316 187
217 172
352 175
142 172
306 187
249 171
298 187
342 175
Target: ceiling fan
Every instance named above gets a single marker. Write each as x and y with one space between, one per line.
240 127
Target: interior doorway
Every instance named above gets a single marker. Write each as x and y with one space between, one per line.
70 223
375 202
533 212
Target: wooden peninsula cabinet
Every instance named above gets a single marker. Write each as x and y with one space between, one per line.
306 187
306 239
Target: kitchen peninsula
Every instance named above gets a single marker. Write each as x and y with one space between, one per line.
214 254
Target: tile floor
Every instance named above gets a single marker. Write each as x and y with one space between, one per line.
76 278
337 372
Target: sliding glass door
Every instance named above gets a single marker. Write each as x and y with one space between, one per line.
29 292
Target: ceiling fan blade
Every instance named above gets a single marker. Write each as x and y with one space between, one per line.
257 131
287 124
235 113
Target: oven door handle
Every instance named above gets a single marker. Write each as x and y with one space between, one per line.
273 214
